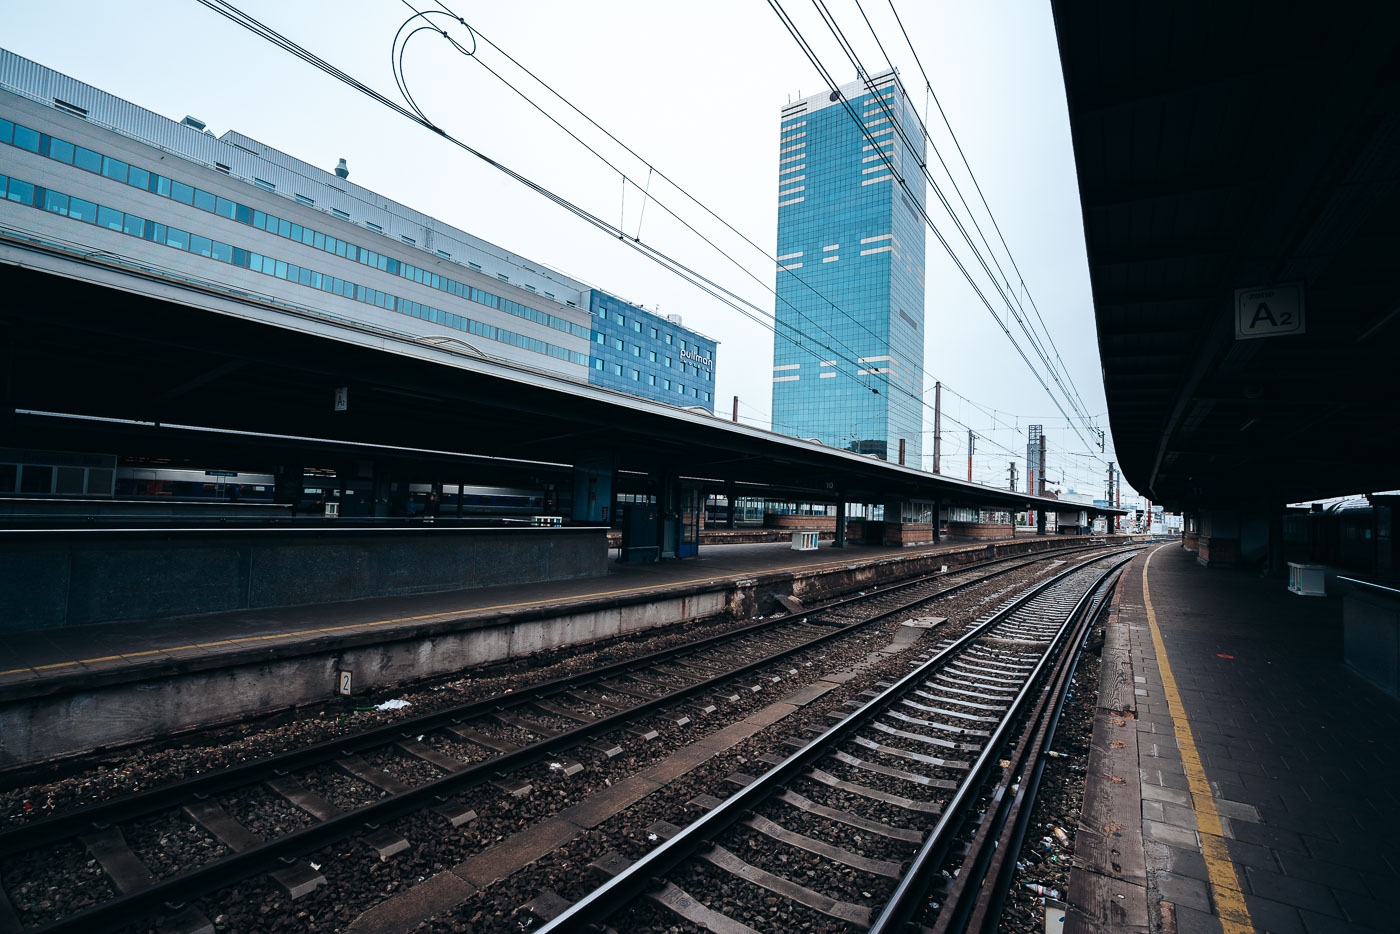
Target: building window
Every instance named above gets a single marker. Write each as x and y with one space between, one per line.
407 239
653 333
444 254
668 361
476 266
636 374
619 344
263 183
668 383
669 339
637 326
651 378
603 313
304 200
617 369
597 363
345 216
636 351
652 356
600 338
621 321
503 277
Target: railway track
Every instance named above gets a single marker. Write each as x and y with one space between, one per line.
350 787
891 816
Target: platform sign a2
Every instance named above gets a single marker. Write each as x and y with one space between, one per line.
1276 311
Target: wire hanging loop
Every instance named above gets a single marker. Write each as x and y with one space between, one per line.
426 21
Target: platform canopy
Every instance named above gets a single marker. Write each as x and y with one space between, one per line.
1237 166
146 366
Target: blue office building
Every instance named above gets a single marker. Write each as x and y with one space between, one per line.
848 348
643 353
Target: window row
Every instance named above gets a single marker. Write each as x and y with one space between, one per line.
656 333
75 208
68 153
651 379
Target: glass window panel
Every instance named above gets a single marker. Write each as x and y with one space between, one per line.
133 225
281 271
114 169
55 202
7 133
62 150
284 227
25 138
154 231
181 192
222 252
162 185
176 237
294 232
109 217
201 245
224 207
259 220
35 478
304 275
69 480
87 159
308 236
138 178
99 481
204 200
319 242
244 214
23 192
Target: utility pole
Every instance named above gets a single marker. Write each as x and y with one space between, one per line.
937 427
1041 465
971 447
1109 495
1012 471
736 408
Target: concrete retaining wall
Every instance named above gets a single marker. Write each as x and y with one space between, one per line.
50 579
87 710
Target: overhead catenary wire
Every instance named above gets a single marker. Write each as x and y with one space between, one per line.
848 49
651 168
963 156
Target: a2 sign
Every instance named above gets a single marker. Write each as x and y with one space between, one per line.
1276 311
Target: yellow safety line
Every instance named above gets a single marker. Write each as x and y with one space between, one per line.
410 619
1224 881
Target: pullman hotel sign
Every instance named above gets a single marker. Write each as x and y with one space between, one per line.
691 356
1276 311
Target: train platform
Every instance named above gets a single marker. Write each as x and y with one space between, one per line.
1241 777
148 677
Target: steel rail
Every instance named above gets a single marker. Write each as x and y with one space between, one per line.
934 852
117 913
22 838
987 915
632 882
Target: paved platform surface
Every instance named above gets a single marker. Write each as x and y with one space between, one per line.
32 657
1241 777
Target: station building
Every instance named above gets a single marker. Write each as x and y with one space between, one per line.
86 170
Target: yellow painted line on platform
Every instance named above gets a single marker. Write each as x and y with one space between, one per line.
241 640
1224 881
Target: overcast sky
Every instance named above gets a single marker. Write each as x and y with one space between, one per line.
696 90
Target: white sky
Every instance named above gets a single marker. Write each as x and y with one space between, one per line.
696 89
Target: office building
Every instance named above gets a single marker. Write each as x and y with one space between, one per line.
848 347
88 172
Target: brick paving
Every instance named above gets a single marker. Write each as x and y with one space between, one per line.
1301 756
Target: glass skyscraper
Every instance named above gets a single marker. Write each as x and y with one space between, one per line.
848 349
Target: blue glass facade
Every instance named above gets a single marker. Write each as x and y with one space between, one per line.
644 354
848 348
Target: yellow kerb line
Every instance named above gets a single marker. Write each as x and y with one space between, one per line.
389 622
1224 881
